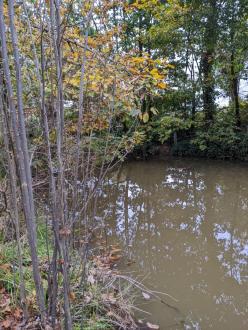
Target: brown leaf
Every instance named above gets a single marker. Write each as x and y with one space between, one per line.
2 290
152 326
5 267
6 324
5 301
110 314
17 313
114 251
61 261
72 296
114 258
130 262
65 231
109 298
6 310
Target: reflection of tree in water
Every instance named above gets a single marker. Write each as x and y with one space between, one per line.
190 217
231 234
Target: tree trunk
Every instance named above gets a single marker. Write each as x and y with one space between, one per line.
55 22
208 59
235 93
208 86
21 149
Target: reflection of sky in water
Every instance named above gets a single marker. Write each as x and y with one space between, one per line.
219 190
127 219
184 214
238 247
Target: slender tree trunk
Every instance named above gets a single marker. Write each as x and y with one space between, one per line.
193 101
21 118
208 86
207 60
140 43
21 150
61 200
79 154
40 72
235 92
13 189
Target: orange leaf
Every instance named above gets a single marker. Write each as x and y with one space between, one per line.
5 267
161 85
17 313
115 258
115 251
72 296
6 324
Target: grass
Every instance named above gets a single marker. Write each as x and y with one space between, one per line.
103 301
9 274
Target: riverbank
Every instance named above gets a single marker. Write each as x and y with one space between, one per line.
234 151
101 297
98 298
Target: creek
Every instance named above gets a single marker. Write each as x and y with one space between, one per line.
184 223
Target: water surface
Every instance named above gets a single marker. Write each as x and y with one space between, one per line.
185 224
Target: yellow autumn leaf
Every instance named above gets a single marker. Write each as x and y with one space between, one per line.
74 81
138 60
162 85
94 85
91 42
156 75
145 117
134 71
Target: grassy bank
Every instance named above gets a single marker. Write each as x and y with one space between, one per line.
100 298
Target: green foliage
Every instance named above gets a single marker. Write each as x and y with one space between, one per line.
221 140
96 324
34 126
244 112
202 146
167 125
9 274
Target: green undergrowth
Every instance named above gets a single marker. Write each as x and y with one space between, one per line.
9 263
100 301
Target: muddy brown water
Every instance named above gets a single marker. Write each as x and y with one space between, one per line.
185 224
